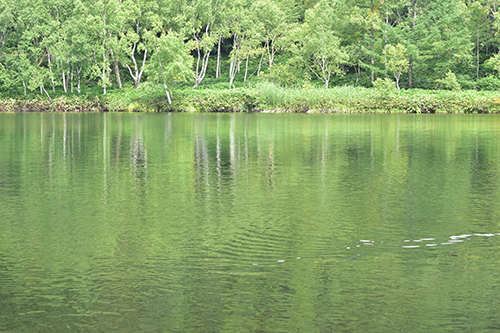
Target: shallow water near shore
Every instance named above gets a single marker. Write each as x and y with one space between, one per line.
249 222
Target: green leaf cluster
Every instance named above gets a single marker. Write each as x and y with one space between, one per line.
52 47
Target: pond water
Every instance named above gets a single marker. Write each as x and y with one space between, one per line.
249 223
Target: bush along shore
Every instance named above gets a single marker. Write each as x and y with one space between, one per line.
263 97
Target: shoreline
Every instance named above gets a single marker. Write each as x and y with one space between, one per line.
255 111
266 98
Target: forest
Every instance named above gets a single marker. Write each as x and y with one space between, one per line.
55 47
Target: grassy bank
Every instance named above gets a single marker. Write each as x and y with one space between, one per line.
263 97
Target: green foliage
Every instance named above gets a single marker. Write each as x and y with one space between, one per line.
489 83
494 63
283 74
172 61
396 60
318 44
445 41
449 82
385 84
466 82
264 96
77 43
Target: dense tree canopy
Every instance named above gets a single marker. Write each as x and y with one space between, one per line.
55 44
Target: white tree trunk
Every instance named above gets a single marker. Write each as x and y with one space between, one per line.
42 89
51 75
397 75
260 63
202 61
163 76
78 74
168 94
104 69
217 71
246 69
138 72
65 84
234 65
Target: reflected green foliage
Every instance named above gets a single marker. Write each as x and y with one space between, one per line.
153 222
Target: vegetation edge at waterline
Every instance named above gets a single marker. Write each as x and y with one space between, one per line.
266 99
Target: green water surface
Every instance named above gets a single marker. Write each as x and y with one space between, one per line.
249 223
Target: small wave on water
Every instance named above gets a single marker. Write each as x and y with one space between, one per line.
273 257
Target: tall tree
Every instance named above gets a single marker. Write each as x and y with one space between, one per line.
396 60
275 22
318 44
138 16
203 19
445 40
99 22
171 60
240 23
479 27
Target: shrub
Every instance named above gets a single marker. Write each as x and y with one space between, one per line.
449 82
489 83
385 84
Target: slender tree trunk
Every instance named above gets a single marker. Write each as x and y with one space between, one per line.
104 56
260 63
138 73
410 72
477 54
24 85
71 80
42 89
246 69
234 65
117 73
50 70
163 76
201 72
410 60
78 74
372 36
385 35
65 85
217 71
166 91
231 73
358 70
67 77
270 54
104 69
203 57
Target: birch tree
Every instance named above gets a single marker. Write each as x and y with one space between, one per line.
170 62
31 48
11 31
100 26
138 15
240 24
318 45
203 18
274 23
396 60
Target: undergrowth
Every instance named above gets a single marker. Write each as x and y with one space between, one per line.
262 96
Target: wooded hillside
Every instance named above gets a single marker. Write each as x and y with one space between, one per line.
53 44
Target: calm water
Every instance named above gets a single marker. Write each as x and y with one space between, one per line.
249 223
